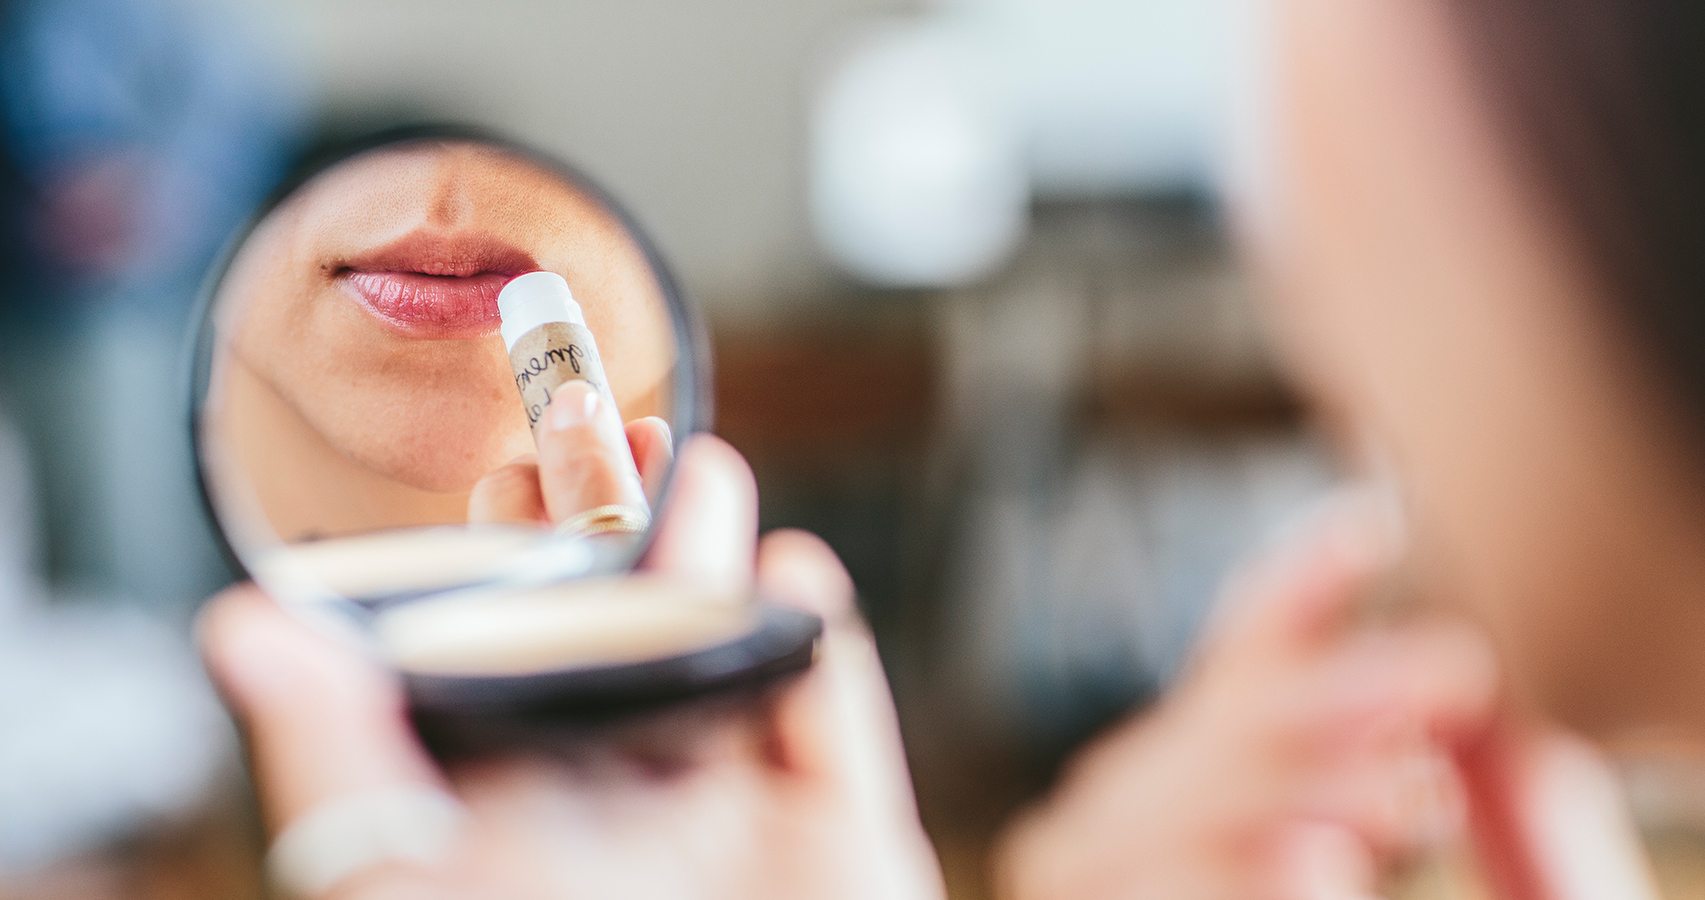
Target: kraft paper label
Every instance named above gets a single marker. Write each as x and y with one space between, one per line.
549 356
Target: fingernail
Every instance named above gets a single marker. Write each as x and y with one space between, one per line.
251 662
574 404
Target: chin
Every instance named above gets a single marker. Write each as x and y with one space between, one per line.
435 471
439 460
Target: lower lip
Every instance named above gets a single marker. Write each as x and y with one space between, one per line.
430 305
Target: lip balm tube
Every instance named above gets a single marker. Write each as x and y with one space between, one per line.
548 341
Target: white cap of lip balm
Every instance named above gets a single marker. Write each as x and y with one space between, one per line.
534 299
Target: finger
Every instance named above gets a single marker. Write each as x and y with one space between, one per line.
1308 585
835 730
838 726
1398 802
709 530
797 568
1549 823
584 460
509 495
653 450
1449 683
1321 861
1436 682
322 722
1341 736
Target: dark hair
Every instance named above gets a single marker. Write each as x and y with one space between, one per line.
1605 99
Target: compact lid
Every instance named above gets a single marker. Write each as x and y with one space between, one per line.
503 664
534 299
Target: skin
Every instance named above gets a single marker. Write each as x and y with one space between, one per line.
1298 754
1427 296
804 795
1424 295
343 424
1309 755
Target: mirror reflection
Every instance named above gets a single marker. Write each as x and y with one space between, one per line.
441 350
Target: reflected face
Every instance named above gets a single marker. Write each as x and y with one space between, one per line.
442 382
365 383
1426 297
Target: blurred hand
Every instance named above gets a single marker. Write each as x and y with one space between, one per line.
586 459
88 219
1548 818
1297 755
807 797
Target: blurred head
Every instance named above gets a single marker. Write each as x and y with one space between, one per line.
1477 221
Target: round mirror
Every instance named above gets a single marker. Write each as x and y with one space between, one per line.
439 386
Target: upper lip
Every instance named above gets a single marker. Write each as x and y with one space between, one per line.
444 255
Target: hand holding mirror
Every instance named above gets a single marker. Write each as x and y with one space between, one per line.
439 386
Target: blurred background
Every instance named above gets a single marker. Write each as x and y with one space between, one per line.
974 317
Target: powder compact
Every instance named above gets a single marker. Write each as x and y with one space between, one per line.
439 385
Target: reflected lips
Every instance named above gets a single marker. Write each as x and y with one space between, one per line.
435 285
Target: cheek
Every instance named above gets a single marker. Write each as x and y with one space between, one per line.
1423 296
1307 195
636 342
1373 237
1368 213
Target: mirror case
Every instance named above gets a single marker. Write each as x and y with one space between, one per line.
464 613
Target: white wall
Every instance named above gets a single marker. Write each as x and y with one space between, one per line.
695 112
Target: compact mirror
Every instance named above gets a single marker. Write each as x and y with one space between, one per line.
439 387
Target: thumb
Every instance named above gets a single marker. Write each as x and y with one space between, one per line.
835 736
709 527
322 723
838 725
1548 820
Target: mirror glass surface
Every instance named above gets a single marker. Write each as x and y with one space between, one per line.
384 414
